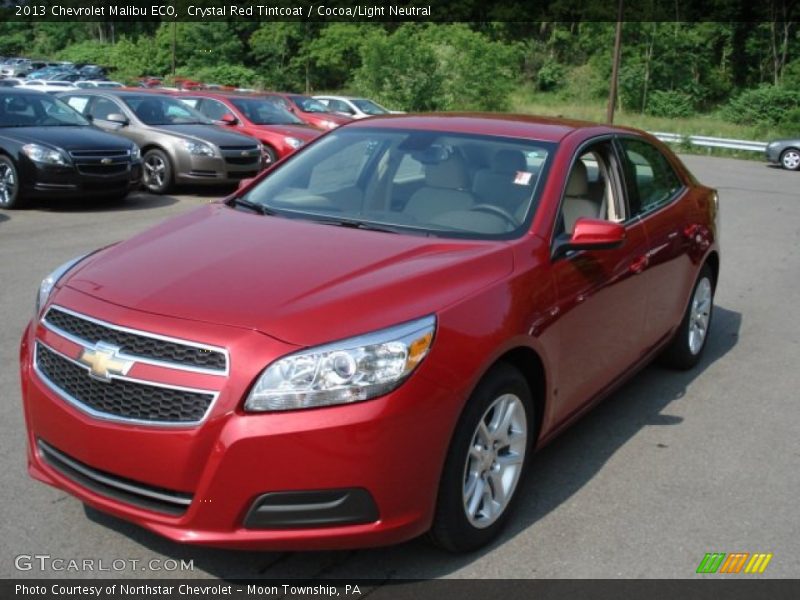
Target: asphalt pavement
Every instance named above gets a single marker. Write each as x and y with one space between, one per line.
672 466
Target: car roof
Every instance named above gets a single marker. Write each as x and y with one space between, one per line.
506 125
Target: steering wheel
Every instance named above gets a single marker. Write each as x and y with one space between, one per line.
500 212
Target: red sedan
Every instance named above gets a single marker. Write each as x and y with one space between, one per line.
279 131
369 341
310 110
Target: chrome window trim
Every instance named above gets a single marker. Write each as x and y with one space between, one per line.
46 448
102 416
141 359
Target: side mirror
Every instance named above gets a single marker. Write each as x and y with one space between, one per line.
592 234
229 120
118 119
243 183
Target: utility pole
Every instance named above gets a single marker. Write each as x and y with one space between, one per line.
612 92
174 44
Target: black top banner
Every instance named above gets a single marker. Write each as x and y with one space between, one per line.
774 11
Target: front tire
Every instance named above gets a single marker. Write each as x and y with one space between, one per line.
10 192
485 462
790 159
156 172
686 348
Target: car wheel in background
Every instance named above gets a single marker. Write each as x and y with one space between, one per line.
790 159
485 462
269 156
156 172
686 348
10 192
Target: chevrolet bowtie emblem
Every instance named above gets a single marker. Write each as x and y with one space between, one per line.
104 361
245 153
106 161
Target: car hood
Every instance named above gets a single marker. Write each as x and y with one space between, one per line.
68 138
301 282
206 133
302 132
328 116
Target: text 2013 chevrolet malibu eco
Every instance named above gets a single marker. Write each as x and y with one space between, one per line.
368 342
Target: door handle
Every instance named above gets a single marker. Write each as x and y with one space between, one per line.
639 264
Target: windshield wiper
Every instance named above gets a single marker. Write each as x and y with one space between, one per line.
356 224
255 207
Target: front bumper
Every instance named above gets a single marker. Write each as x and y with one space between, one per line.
392 448
231 168
773 155
50 181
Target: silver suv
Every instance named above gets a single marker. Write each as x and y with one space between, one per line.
179 145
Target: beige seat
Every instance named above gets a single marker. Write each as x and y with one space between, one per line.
445 188
498 185
576 198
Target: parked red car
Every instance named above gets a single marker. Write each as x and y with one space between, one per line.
368 342
280 132
310 110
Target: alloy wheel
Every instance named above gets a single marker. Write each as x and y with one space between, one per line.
791 160
155 171
495 460
699 316
8 184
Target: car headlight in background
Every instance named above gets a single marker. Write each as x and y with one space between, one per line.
348 371
44 155
329 124
293 142
136 152
198 148
49 282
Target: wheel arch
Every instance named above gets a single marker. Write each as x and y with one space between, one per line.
712 260
530 365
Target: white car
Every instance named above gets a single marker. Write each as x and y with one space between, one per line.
355 108
91 84
47 86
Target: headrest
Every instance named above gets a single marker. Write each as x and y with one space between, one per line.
578 182
509 161
449 173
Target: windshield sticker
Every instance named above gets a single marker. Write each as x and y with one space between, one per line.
523 178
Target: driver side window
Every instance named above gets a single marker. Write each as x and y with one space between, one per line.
591 190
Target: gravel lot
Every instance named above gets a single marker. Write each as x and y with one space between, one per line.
669 468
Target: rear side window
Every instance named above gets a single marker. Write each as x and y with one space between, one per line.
103 107
650 178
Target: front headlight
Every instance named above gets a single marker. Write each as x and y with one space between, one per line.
136 152
49 282
42 154
198 148
293 142
348 371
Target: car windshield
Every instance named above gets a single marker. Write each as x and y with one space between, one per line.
37 110
160 110
410 181
369 107
264 112
311 105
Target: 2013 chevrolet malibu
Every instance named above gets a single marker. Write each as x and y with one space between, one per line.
368 342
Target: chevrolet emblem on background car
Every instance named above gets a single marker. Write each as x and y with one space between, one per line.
104 361
106 161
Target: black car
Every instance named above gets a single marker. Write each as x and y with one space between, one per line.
49 150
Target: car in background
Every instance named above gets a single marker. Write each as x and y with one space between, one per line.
47 150
43 85
369 341
92 72
313 112
105 84
278 130
785 153
150 82
355 108
10 82
179 145
16 67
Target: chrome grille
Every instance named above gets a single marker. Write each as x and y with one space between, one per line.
135 344
120 398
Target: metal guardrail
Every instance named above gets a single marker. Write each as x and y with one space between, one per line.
710 142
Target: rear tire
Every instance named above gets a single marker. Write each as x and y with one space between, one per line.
686 348
485 463
10 189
